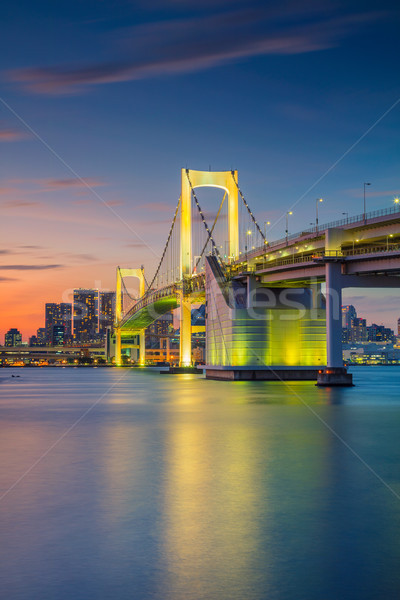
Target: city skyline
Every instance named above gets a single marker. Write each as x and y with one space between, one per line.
102 105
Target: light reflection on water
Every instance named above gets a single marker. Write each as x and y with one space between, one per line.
175 488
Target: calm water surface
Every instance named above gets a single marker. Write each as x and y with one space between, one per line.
126 484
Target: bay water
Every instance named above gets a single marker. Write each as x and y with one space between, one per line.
127 484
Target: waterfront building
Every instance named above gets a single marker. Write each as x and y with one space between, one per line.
86 315
359 330
13 337
380 333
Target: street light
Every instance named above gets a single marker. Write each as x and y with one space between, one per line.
387 240
265 228
245 248
318 200
397 201
289 212
347 216
365 215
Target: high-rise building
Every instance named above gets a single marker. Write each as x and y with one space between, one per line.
58 315
13 337
358 330
86 315
106 311
58 335
65 309
349 313
41 336
51 315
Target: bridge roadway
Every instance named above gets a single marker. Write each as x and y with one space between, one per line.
366 248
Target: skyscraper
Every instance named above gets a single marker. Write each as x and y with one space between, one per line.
349 313
86 315
58 335
41 336
58 315
106 311
51 316
65 316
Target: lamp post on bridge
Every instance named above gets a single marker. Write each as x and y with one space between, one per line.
289 212
390 235
318 200
397 202
248 234
365 212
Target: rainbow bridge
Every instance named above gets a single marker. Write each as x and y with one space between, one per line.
266 314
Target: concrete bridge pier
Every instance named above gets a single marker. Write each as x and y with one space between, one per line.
142 348
118 347
335 374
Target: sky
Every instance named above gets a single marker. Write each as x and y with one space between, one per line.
103 103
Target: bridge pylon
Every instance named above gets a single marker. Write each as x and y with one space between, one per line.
121 273
225 180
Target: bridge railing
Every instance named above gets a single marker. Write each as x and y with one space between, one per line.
194 284
295 260
383 212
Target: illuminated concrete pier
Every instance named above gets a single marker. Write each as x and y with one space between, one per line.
253 332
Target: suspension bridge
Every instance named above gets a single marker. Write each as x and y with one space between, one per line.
266 317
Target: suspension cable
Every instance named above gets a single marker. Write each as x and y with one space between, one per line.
165 247
248 208
125 290
212 229
210 237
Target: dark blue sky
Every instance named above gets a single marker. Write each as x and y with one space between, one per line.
127 93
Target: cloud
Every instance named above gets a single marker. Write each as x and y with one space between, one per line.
19 203
12 135
158 206
52 185
5 252
82 257
29 267
135 245
191 44
8 279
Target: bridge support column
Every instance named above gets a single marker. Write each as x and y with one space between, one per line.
118 346
334 374
142 348
185 346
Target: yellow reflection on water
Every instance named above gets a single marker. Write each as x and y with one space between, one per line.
211 503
